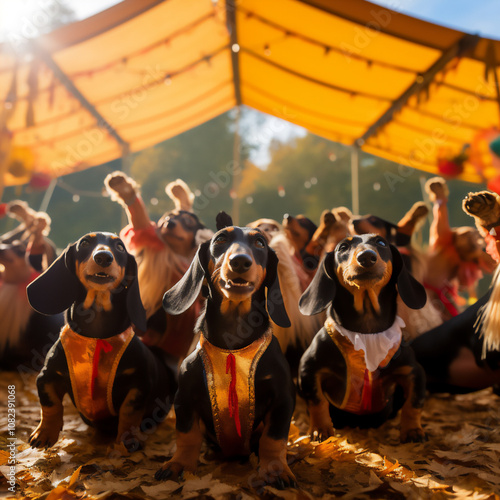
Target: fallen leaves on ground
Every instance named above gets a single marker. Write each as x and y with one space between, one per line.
460 460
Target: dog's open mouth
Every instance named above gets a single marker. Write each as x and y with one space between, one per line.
238 285
101 278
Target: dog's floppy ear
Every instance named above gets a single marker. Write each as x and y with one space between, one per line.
321 291
184 293
58 287
274 301
410 290
223 220
135 308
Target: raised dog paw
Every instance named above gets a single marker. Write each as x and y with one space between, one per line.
416 435
21 211
437 189
169 470
418 211
485 206
121 185
44 437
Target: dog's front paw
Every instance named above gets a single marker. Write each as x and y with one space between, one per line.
169 470
44 436
21 211
276 473
120 185
416 435
418 211
485 206
321 433
437 189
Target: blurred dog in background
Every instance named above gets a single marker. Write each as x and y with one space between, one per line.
164 250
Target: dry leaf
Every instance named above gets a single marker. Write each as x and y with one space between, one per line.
460 460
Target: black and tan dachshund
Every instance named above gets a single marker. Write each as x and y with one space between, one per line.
353 371
463 354
237 382
115 381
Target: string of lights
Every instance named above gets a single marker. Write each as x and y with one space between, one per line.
327 48
78 193
117 62
145 50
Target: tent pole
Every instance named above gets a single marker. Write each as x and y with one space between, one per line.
236 168
48 195
355 179
497 88
126 164
231 6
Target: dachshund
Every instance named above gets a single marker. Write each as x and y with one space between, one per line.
456 256
269 227
25 335
236 382
353 371
115 381
164 251
334 226
463 354
295 339
415 260
399 234
299 231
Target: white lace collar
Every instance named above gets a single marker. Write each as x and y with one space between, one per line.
376 346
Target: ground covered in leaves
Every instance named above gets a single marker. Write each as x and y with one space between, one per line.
460 460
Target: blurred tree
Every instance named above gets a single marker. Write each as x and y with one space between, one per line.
202 157
310 173
314 174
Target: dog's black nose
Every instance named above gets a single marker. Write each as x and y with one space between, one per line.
240 262
366 258
103 258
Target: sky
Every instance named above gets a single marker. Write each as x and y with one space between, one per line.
480 16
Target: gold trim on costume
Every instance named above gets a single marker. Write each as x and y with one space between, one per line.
364 390
218 381
93 398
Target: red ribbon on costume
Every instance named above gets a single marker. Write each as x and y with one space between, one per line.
446 294
233 395
101 345
366 395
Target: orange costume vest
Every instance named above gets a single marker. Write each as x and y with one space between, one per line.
364 392
92 367
230 378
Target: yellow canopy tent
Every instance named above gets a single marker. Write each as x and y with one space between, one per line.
142 72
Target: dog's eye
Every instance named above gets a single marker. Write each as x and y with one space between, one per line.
381 243
222 238
120 247
84 243
259 243
342 247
